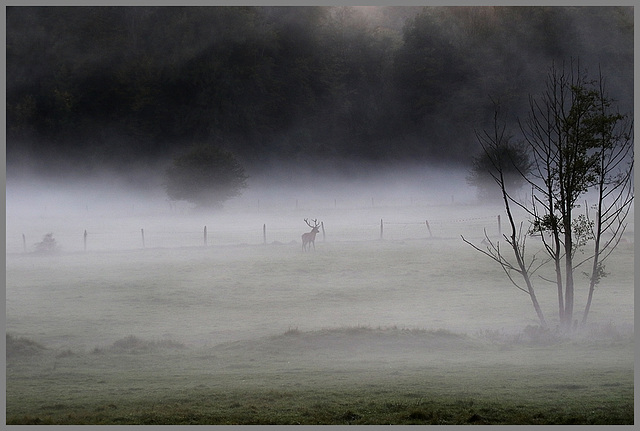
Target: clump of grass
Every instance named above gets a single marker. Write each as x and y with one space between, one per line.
21 347
530 336
349 417
384 330
539 336
133 344
607 331
292 331
380 339
65 354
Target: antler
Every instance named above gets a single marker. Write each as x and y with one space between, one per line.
315 222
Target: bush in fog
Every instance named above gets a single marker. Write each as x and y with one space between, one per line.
512 159
133 344
47 245
206 176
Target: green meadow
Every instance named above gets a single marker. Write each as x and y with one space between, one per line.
404 330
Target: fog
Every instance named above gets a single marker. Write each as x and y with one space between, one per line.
36 206
415 272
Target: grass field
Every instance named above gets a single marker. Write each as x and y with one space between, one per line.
349 375
411 329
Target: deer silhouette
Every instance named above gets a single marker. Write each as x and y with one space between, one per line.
309 238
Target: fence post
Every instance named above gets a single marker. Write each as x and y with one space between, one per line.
205 236
264 233
24 243
381 228
499 226
428 227
324 237
142 232
85 240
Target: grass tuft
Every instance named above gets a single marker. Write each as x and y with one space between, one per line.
292 331
133 344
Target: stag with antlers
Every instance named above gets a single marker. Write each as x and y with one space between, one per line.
309 238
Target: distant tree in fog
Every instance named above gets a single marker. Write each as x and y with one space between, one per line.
206 176
512 159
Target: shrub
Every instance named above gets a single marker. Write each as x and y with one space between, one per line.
20 347
47 245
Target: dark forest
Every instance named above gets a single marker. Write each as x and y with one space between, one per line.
116 87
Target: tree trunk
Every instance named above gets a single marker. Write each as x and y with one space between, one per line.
558 269
568 248
596 259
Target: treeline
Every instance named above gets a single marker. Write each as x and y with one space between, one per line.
110 85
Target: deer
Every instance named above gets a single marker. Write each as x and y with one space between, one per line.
309 238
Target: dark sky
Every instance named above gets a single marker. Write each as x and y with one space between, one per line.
93 88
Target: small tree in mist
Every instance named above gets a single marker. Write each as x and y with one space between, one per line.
206 176
581 148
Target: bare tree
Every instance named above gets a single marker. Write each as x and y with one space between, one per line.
581 148
491 143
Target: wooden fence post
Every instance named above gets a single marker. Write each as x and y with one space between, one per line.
324 237
142 232
381 229
85 240
24 243
205 236
428 227
264 233
499 226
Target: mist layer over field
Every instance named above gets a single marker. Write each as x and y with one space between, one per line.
113 208
390 319
389 254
